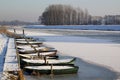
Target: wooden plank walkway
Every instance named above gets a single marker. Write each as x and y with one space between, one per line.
11 62
11 68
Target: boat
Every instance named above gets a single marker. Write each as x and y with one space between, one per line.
38 62
29 49
28 42
25 39
27 46
51 55
47 55
51 69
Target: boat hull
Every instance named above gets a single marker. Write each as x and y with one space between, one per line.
33 51
72 70
52 56
70 62
26 43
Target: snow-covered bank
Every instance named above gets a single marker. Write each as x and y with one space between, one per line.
3 48
11 62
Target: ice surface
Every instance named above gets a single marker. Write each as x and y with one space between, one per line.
79 27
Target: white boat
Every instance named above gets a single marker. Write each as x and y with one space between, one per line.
51 69
27 46
48 61
32 55
29 42
29 49
24 39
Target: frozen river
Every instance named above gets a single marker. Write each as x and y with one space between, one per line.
97 52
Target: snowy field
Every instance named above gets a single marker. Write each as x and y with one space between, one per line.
98 59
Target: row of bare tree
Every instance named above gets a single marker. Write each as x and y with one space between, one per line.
64 15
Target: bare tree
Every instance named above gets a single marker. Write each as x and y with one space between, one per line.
64 15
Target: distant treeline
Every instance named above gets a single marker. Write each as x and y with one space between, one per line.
64 15
16 22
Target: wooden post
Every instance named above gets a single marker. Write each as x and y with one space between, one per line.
51 75
51 69
14 31
45 59
38 53
23 32
38 45
47 62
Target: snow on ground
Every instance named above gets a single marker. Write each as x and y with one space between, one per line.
3 48
11 62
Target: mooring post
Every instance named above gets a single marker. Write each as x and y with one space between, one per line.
14 31
23 32
47 62
51 72
51 69
38 53
45 59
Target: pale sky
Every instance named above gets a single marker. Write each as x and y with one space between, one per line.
30 10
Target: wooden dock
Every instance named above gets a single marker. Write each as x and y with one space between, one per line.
11 70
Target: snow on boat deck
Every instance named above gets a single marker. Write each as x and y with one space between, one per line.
30 48
31 42
49 61
38 48
35 54
25 46
23 39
